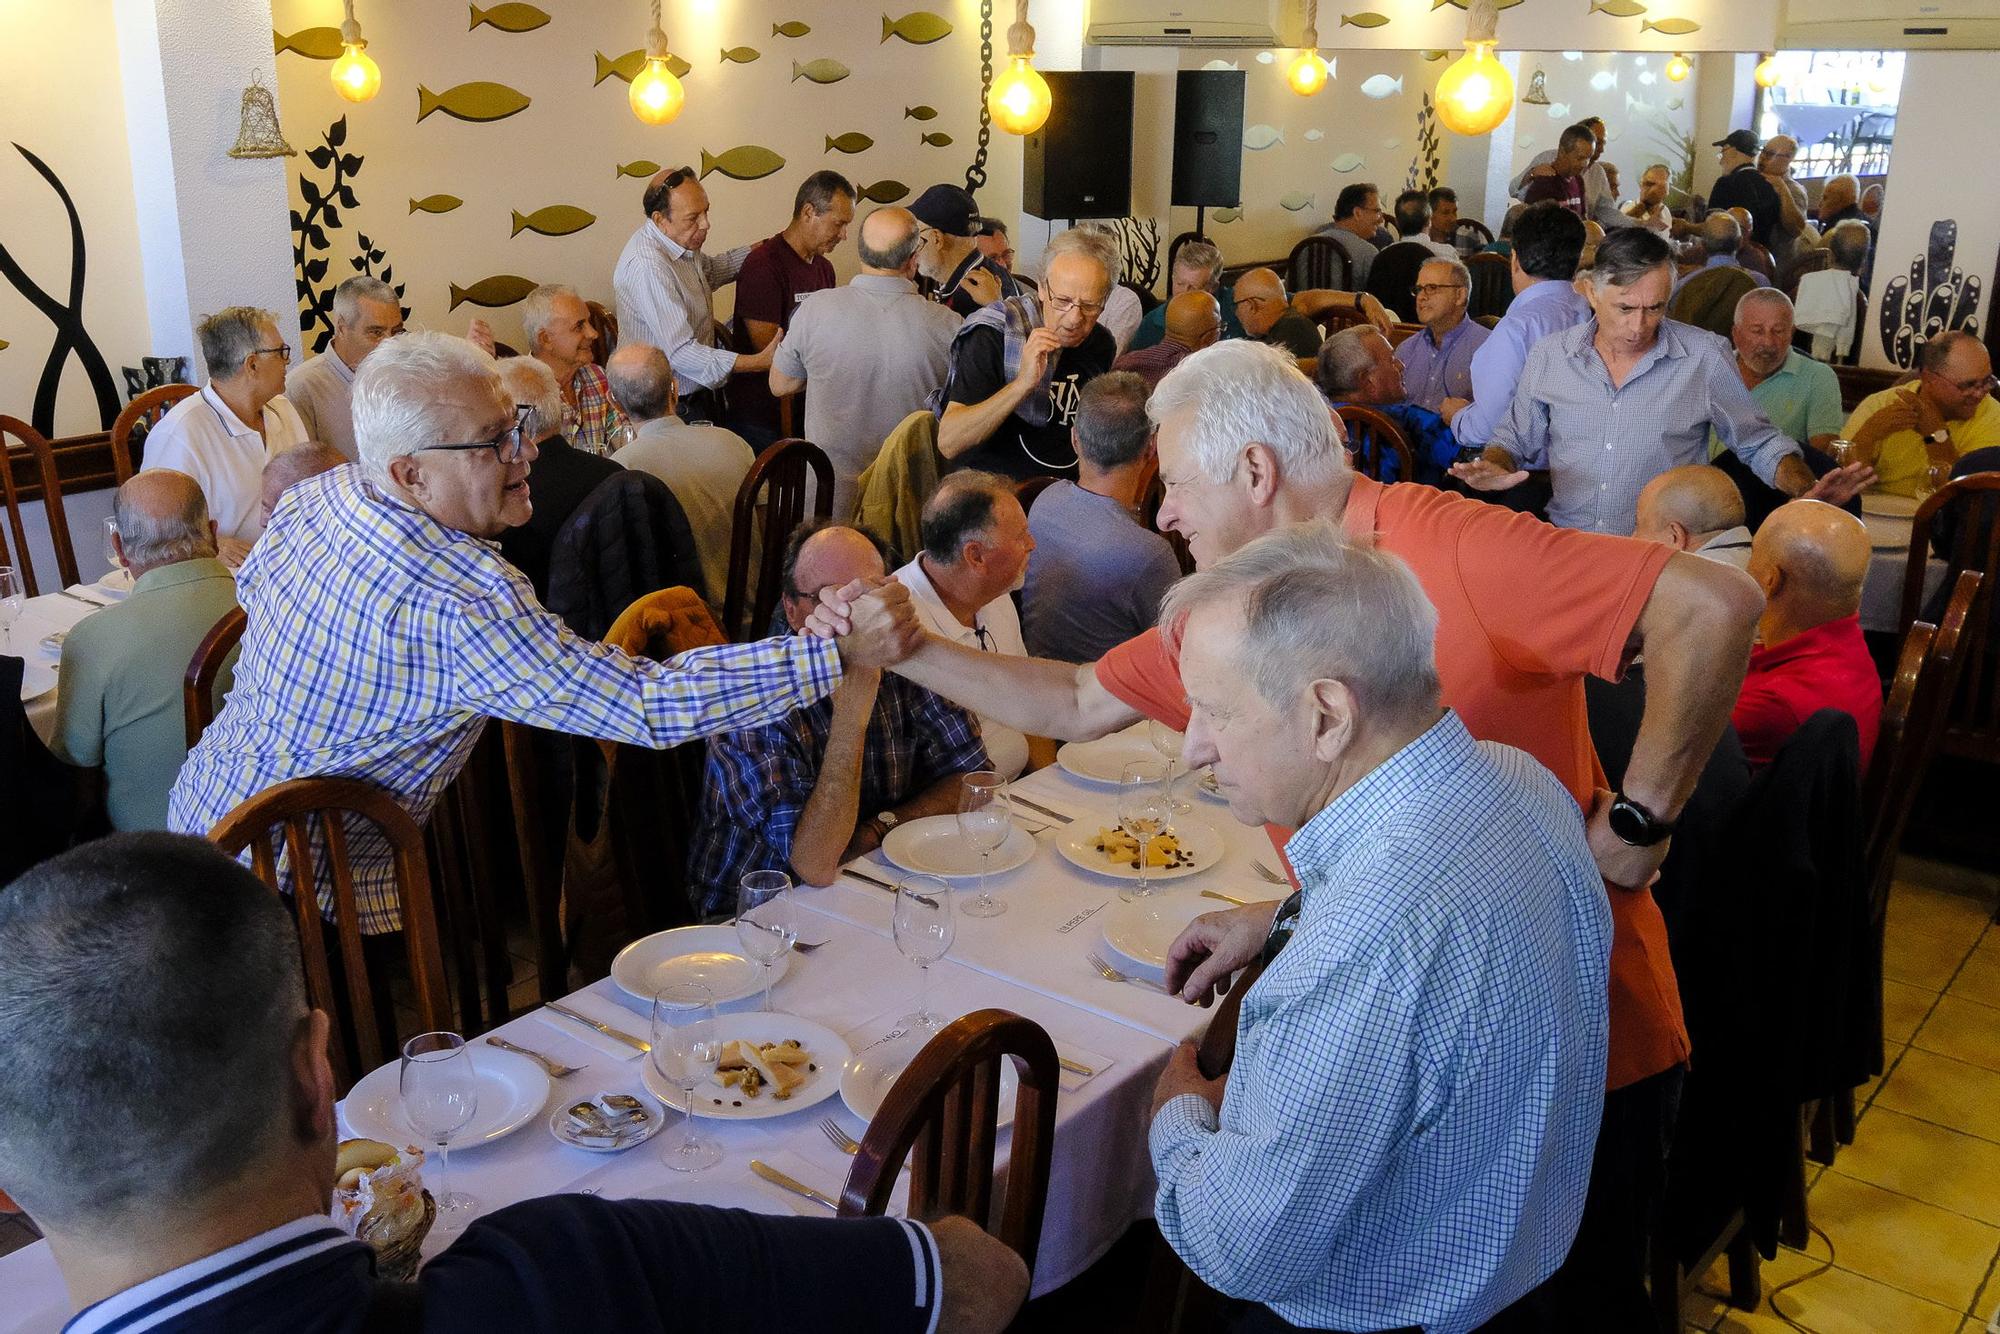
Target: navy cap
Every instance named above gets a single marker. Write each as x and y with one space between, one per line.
949 209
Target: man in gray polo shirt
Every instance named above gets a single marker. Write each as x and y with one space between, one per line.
365 312
872 351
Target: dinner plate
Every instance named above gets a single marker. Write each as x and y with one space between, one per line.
1104 760
709 955
716 1101
933 846
37 678
1140 933
1888 505
1196 838
564 1129
870 1073
512 1090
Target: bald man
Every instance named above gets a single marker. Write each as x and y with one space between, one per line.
1839 200
1810 559
1194 320
1696 509
292 466
1268 317
118 697
812 791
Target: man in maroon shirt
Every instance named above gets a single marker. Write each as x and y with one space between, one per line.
1562 179
1810 558
777 274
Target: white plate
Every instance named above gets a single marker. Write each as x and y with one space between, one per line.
565 1130
1104 760
37 678
1196 838
1139 933
512 1090
870 1073
710 955
933 846
716 1102
1888 505
1205 783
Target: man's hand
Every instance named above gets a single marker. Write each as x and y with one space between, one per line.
1041 348
1376 315
1183 1075
1485 473
1840 485
981 284
1618 861
1451 407
833 616
756 363
1213 946
231 550
884 628
480 334
1929 421
985 1282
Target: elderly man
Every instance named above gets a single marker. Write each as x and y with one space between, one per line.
1696 509
1356 365
665 285
118 699
559 478
1357 216
777 274
1742 185
286 470
1197 268
873 351
1268 317
1437 363
1811 560
1707 296
1246 445
1800 396
1650 209
964 279
1098 572
1913 432
366 310
1018 365
1600 188
1774 162
974 558
1194 321
1401 1068
703 465
810 791
1721 240
556 323
1413 222
222 436
1839 201
1547 245
1560 180
1645 389
1828 298
214 1195
385 627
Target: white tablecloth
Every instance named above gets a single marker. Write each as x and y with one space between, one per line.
40 617
1882 594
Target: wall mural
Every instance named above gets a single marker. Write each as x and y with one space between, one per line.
323 203
71 338
1934 298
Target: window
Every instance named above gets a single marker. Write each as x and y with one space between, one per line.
1839 105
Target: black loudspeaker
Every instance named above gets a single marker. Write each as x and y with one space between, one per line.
1208 138
1079 164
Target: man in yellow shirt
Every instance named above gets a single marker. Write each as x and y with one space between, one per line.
1948 410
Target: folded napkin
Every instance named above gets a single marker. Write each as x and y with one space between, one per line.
604 1011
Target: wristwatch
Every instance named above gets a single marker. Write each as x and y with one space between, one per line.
1637 826
883 822
1941 436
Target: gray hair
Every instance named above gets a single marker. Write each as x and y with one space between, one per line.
1848 244
642 381
150 538
897 255
228 337
1660 167
1344 359
1761 296
1091 242
1245 393
960 510
347 297
538 310
1721 234
534 386
1629 254
398 407
1111 424
1316 607
289 467
1460 272
1200 255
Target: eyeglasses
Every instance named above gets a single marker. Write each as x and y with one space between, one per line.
1063 305
1432 289
508 446
282 352
1984 384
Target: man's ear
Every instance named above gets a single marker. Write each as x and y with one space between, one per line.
312 1080
1259 467
405 471
1332 718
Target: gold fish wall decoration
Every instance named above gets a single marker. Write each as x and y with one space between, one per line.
627 66
435 204
1671 27
936 139
1367 18
883 192
919 28
792 29
511 17
823 70
742 55
854 141
920 113
745 162
312 43
555 220
4 345
1435 55
641 168
1618 9
477 101
502 289
1463 4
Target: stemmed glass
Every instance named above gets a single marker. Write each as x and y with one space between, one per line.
686 1048
766 922
11 601
440 1092
985 818
111 561
1168 742
1143 812
1936 477
924 928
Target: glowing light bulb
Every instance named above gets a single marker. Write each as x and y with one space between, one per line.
1678 67
1476 93
356 76
1766 73
656 94
1306 74
1020 98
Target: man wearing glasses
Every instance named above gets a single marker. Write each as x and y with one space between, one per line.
963 276
1357 216
366 311
222 436
1437 363
1948 411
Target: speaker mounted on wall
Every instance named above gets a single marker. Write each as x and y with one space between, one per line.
1208 138
1079 164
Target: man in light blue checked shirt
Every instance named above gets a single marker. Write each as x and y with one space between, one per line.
385 628
1405 1138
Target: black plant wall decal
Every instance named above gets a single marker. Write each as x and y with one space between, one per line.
310 243
1424 166
1937 296
67 317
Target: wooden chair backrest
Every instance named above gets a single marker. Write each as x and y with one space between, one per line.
605 325
148 407
1973 502
776 485
942 1113
301 807
1031 487
1318 261
1372 436
36 445
198 685
1492 284
1476 227
1486 321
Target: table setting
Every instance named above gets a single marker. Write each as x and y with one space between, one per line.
33 629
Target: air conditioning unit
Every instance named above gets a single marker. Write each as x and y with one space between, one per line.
1891 25
1255 23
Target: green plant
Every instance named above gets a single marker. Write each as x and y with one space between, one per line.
1678 147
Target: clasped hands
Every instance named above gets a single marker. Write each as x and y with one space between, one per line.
873 619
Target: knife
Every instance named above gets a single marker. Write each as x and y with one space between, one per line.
1074 1067
792 1184
603 1028
869 879
1053 815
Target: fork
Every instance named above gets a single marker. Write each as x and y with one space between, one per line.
555 1068
843 1141
807 946
1268 876
1110 974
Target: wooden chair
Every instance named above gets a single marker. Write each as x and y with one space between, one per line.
1492 284
1331 310
605 324
1481 234
198 707
1972 727
941 1114
36 446
1372 437
1318 261
300 808
1858 382
1030 488
776 486
148 408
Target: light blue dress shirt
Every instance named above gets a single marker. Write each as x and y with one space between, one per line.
1435 370
1407 1132
1541 309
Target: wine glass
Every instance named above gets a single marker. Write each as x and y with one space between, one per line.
1143 812
766 921
924 928
1936 477
111 560
985 819
686 1048
440 1092
12 600
1168 742
1841 451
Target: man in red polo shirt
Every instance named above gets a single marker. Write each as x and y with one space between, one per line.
1525 612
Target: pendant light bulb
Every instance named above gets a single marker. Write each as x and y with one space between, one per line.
656 94
1306 74
1678 67
1476 93
1020 100
1766 73
356 76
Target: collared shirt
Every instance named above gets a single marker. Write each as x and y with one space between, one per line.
1435 369
666 297
1901 457
995 628
1096 576
1731 546
1659 218
704 466
202 437
1431 442
1716 262
598 419
1564 190
322 391
1153 327
380 641
759 779
1152 363
1602 444
1826 667
118 700
1538 310
1361 254
1406 1135
1801 398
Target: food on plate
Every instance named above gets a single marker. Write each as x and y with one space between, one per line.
1163 851
750 1067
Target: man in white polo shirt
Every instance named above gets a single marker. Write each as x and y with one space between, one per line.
223 436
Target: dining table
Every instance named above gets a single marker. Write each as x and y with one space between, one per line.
36 639
1034 960
1889 522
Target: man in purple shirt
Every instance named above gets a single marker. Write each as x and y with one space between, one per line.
777 274
1437 363
1548 242
1561 181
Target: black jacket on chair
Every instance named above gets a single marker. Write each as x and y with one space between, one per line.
628 538
42 808
558 481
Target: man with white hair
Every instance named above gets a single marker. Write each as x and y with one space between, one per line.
1405 1136
1800 396
1197 268
385 628
560 477
366 310
556 323
118 696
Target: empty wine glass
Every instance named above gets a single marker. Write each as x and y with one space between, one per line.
1168 742
111 560
12 599
1937 476
440 1092
1143 812
924 928
686 1048
766 921
985 818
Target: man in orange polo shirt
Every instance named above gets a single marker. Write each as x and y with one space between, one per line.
1525 612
